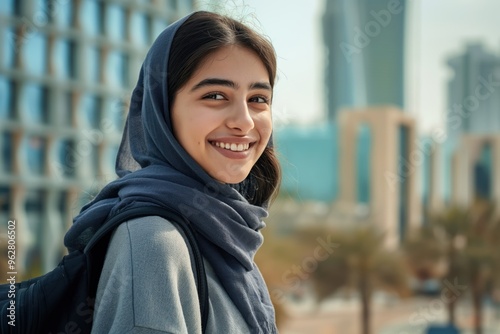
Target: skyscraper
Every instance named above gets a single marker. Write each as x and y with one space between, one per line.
67 69
365 53
473 124
474 92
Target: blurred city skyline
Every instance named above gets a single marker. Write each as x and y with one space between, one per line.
62 114
435 32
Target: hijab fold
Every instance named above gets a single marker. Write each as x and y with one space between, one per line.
154 170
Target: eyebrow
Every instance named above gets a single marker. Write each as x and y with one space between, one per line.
230 84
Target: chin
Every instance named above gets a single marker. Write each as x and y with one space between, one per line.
231 179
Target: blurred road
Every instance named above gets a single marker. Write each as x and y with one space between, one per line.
410 316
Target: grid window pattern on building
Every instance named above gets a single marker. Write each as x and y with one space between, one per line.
67 69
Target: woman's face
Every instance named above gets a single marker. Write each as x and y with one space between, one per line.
222 116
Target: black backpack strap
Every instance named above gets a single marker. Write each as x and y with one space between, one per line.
100 240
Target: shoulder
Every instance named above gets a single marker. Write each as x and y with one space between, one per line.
148 241
151 233
147 267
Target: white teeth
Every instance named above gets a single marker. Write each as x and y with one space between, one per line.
233 147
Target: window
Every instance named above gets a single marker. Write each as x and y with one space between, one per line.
13 44
33 204
91 108
5 98
93 68
402 166
363 164
8 41
483 173
62 12
67 159
91 17
33 150
35 53
65 59
8 7
64 106
93 162
35 103
34 201
115 22
6 152
141 28
117 69
62 203
41 13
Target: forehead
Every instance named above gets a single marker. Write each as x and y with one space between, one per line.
233 61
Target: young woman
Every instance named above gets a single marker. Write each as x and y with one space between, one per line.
197 141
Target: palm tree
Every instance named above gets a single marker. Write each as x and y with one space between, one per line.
429 247
424 253
361 263
481 256
465 238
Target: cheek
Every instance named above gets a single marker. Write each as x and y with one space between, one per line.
192 126
265 126
184 131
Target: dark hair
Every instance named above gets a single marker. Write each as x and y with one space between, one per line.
202 34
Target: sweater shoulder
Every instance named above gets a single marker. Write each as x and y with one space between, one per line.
154 236
147 266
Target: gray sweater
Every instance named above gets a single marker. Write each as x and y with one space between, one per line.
148 286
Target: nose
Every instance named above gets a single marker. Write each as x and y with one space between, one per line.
240 118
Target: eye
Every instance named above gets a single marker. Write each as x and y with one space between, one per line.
259 99
214 96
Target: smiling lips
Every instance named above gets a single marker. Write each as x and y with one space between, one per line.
232 147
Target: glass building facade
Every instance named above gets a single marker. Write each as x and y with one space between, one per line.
67 69
405 166
483 173
309 159
363 164
364 43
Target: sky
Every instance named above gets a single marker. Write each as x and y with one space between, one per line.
436 30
